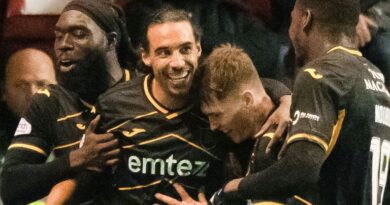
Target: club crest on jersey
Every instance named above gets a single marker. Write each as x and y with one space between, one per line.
24 127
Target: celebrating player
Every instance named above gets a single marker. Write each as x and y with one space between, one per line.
337 150
163 136
90 46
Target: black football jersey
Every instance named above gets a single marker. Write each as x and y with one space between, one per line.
158 146
340 103
56 120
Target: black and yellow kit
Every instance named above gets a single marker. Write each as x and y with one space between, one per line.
55 122
159 146
340 103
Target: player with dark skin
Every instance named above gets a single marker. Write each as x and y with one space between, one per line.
89 63
80 45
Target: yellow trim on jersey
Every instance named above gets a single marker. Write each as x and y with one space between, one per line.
93 110
80 126
139 186
145 115
66 145
27 146
175 114
133 132
310 138
302 200
313 73
150 98
118 126
336 130
44 91
351 51
69 116
168 136
127 75
266 203
137 117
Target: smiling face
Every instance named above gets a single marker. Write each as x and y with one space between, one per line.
230 116
173 55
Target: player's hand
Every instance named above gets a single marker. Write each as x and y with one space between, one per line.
185 197
363 30
97 151
61 193
281 118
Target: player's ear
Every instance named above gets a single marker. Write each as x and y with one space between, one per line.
307 20
247 98
112 38
145 57
199 48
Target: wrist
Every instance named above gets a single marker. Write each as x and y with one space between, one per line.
75 159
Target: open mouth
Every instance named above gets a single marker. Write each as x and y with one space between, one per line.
177 76
67 65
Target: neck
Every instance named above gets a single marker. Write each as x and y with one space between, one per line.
320 45
168 101
108 75
114 70
262 111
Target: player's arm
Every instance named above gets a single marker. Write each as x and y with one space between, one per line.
25 173
307 145
26 176
74 190
281 96
298 169
275 89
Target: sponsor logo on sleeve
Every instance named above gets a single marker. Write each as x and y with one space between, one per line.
299 115
24 127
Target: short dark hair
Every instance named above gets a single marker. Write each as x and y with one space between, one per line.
335 17
165 15
224 71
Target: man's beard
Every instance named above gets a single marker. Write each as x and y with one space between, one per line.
89 78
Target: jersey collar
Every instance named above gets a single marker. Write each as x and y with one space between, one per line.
169 114
351 51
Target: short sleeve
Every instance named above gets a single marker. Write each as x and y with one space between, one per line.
36 129
315 107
